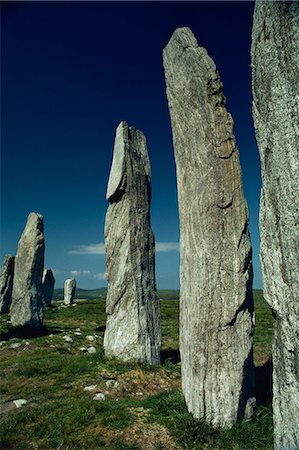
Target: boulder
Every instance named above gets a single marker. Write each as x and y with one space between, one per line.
133 329
275 84
216 304
27 305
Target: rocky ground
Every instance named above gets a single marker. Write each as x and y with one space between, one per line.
59 392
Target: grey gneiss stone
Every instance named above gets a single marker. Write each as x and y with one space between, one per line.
69 291
133 329
6 283
27 305
275 81
216 306
48 286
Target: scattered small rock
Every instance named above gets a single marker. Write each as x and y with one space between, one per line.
20 402
74 304
67 338
90 388
89 338
91 350
78 329
99 396
15 345
77 333
83 349
112 384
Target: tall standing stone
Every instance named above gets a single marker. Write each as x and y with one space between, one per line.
27 305
133 329
6 283
275 80
69 291
48 286
216 306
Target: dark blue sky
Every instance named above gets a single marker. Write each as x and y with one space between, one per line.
70 73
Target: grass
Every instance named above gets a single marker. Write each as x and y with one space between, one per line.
143 407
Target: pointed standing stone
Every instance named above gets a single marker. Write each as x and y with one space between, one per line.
27 306
6 283
69 291
133 329
48 286
216 306
275 81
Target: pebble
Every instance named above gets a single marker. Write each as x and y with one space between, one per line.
20 402
91 350
83 349
15 345
90 388
77 333
112 384
99 396
89 338
67 338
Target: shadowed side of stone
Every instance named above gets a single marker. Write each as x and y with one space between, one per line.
133 329
216 305
6 283
275 82
27 305
48 286
69 291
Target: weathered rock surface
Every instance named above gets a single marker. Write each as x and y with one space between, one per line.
69 291
27 305
216 306
133 329
275 80
6 283
48 286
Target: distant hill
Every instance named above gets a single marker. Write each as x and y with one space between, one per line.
88 294
93 294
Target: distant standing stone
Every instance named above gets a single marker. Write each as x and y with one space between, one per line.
216 305
48 286
27 305
133 329
69 291
6 283
275 82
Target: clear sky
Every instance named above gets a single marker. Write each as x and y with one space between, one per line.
70 72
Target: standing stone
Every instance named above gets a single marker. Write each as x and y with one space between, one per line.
133 329
48 286
275 80
27 305
216 305
6 283
69 291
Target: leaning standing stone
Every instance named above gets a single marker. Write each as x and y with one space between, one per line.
275 81
6 283
133 329
69 291
27 305
48 286
216 306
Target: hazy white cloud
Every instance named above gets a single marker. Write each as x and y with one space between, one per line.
89 249
167 246
99 249
99 276
80 273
